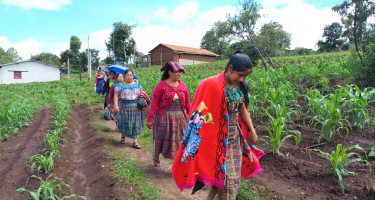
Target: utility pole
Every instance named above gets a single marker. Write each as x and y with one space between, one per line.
161 55
68 66
124 51
88 57
113 44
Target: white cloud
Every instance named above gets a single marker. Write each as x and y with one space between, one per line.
186 27
305 22
188 32
276 3
186 11
24 48
38 4
97 41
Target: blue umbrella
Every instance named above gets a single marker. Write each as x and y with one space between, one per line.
119 69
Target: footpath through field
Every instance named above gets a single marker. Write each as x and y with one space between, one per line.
160 177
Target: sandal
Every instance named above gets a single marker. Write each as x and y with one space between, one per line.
136 146
122 141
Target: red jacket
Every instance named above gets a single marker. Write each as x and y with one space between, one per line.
162 99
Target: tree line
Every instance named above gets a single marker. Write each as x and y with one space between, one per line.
238 32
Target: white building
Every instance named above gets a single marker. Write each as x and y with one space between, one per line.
27 72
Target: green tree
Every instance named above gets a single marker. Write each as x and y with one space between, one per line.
332 34
47 58
243 25
217 39
9 56
74 47
121 42
64 56
75 44
355 14
94 58
272 39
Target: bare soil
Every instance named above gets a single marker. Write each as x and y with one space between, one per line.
84 164
300 174
304 174
16 150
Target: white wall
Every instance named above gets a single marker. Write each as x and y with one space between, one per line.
1 75
190 62
31 72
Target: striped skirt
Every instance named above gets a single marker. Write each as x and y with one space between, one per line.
233 160
168 131
129 119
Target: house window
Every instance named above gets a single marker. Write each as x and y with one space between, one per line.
17 75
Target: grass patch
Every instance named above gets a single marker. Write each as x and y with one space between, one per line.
127 171
145 138
248 191
110 138
100 127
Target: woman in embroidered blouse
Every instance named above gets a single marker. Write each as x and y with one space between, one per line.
219 128
170 107
129 117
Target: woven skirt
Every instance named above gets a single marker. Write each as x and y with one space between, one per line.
233 160
168 131
129 119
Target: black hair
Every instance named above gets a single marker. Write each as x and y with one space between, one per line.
112 72
118 75
127 71
240 62
165 69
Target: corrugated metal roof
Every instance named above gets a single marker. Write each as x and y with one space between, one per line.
187 50
2 65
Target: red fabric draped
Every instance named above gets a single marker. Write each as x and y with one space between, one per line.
208 162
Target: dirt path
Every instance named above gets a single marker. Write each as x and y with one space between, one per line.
15 151
161 177
84 164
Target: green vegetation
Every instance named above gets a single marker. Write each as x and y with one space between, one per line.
340 159
100 127
146 138
372 152
50 188
127 171
315 90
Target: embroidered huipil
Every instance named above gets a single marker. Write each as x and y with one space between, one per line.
128 92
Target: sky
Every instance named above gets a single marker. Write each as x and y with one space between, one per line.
36 26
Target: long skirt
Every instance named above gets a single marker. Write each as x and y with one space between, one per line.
106 99
233 160
99 86
168 131
129 119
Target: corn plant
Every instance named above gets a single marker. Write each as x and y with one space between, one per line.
51 188
340 159
51 141
372 152
315 100
42 163
329 118
357 108
279 133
